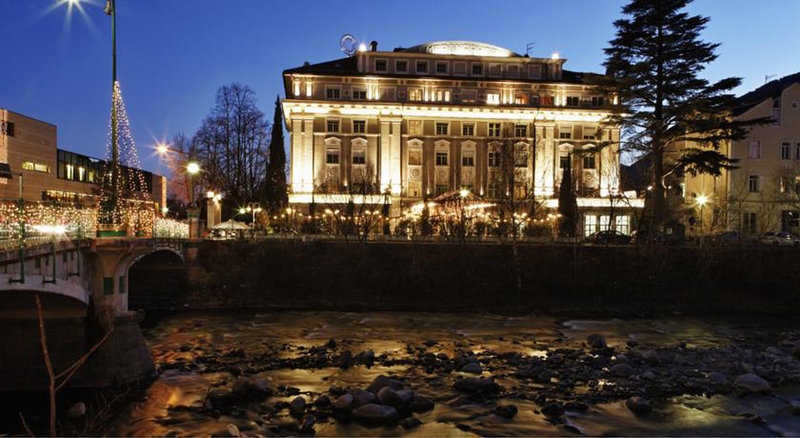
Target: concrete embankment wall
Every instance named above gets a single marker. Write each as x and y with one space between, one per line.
378 276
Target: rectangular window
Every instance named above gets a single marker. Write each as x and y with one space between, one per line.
441 128
754 183
441 158
415 157
359 156
443 95
598 101
623 224
565 132
573 101
520 131
494 158
359 126
749 222
9 129
589 224
333 125
415 127
786 150
415 94
380 65
589 161
36 167
477 69
332 156
494 130
513 71
359 93
493 98
401 66
535 71
520 99
333 93
520 156
589 133
422 66
468 129
755 149
468 160
605 222
468 96
441 67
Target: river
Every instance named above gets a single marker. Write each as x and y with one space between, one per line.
685 367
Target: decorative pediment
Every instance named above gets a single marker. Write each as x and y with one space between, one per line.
414 143
358 142
468 144
442 144
333 141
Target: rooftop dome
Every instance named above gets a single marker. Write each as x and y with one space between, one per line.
462 48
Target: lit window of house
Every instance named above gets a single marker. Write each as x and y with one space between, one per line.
494 130
359 126
38 167
414 94
623 224
443 95
359 93
520 99
441 128
468 129
493 98
589 224
755 149
333 125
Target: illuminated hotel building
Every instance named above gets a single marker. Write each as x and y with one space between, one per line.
421 121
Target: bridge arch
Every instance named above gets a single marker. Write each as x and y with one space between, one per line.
156 279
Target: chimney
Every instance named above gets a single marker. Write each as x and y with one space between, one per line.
373 46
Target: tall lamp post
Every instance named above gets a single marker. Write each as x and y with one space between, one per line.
192 169
701 200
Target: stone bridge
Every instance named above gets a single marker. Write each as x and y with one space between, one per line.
84 288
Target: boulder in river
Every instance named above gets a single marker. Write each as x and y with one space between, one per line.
375 414
752 383
410 422
382 381
506 411
361 398
477 385
344 403
553 410
596 341
622 370
420 404
297 407
639 405
388 396
472 368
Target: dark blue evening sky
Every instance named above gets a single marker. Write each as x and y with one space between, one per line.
174 54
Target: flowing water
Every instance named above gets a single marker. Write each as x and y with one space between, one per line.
198 352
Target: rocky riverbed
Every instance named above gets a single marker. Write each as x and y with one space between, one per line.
391 373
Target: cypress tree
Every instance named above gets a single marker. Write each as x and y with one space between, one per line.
653 66
276 188
567 204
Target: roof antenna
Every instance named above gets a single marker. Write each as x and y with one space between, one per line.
768 77
528 48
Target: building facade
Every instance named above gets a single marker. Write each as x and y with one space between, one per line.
29 148
763 193
419 122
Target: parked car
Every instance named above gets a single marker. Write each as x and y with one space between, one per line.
728 238
606 237
657 237
780 238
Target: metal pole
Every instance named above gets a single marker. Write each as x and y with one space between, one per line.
21 231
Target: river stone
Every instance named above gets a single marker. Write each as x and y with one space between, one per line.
553 410
472 368
344 403
718 378
297 407
387 396
406 395
241 388
361 398
477 385
322 401
596 341
622 370
752 383
374 413
77 410
261 387
410 422
507 411
639 405
652 357
420 404
382 381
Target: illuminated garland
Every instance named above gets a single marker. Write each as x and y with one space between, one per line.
74 220
165 227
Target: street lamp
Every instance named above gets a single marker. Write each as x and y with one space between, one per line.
701 200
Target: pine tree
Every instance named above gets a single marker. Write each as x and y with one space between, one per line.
653 67
567 204
276 189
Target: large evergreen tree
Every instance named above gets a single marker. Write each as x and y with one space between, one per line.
653 66
276 189
567 204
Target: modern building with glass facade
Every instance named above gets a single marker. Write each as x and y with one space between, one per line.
418 122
